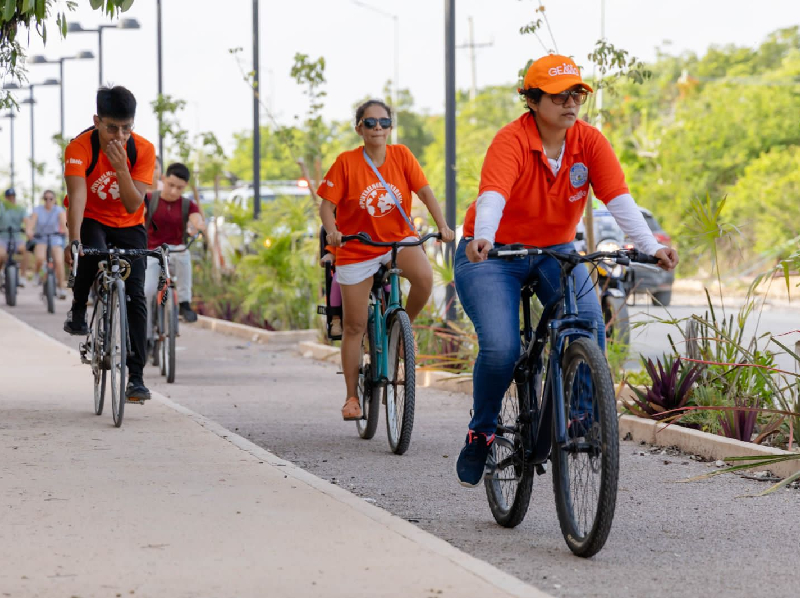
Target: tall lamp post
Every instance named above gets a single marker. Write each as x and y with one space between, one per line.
11 116
256 120
160 81
40 59
122 24
32 101
450 139
396 78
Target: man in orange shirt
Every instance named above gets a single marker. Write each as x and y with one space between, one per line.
108 169
534 187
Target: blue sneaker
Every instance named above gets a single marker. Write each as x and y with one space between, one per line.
472 458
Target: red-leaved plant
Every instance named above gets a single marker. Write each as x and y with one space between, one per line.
669 391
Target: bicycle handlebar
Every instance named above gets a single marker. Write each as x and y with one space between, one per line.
364 238
161 253
621 257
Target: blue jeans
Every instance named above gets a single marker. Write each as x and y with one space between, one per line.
490 292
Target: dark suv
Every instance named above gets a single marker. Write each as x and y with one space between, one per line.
648 278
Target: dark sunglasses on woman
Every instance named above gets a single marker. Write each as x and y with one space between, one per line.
371 122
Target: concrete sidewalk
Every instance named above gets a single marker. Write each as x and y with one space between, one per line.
172 504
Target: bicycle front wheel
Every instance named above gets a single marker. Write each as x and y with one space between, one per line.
401 384
99 370
171 332
118 350
156 326
368 393
50 291
12 275
510 480
586 467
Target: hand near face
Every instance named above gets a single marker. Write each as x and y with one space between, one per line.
117 156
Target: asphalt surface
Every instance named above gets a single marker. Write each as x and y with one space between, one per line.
668 538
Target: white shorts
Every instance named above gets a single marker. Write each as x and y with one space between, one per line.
357 272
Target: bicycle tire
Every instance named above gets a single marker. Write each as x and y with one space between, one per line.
99 369
12 278
118 349
509 489
586 528
155 328
50 291
401 385
162 324
171 330
368 393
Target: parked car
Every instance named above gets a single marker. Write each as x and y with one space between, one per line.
649 278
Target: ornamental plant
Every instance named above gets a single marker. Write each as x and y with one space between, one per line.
670 389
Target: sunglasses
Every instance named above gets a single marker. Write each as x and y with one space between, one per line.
579 96
371 122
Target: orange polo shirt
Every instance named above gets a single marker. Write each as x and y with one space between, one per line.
362 203
543 209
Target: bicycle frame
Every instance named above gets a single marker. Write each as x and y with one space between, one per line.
378 319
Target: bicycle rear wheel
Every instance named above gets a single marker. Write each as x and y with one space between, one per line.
99 370
50 291
510 481
401 384
12 277
171 332
155 328
118 350
368 393
586 468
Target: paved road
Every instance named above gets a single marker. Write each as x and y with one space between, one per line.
668 539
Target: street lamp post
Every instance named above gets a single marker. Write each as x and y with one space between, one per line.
40 59
256 120
396 78
450 139
123 24
32 101
11 116
160 81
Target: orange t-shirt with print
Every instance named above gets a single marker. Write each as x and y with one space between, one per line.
103 203
362 203
543 209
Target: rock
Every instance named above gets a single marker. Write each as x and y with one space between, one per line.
719 463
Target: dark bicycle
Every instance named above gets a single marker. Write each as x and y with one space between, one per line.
387 373
49 281
11 270
108 343
560 406
165 328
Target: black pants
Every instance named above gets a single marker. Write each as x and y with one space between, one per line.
97 235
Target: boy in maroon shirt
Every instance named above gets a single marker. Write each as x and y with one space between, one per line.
168 215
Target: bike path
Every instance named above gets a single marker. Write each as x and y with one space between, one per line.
173 504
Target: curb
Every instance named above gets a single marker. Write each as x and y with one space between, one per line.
501 580
654 433
255 334
701 443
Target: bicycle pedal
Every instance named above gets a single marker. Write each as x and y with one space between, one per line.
541 469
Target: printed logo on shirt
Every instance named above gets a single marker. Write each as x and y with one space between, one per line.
106 184
327 182
578 196
578 175
377 202
74 161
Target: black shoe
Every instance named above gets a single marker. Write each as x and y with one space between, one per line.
472 458
187 313
136 390
76 323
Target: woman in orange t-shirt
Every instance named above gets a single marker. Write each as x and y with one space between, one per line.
354 200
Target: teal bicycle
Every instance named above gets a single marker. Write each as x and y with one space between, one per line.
386 372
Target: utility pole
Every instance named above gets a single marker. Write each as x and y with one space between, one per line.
450 141
471 46
160 83
256 121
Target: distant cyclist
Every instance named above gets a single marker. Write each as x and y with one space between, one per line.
12 215
49 219
169 214
534 186
353 189
108 168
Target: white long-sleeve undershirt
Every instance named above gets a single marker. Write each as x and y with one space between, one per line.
490 205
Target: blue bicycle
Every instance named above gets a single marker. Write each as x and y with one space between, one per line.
559 406
387 371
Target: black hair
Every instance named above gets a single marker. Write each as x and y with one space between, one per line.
180 170
534 94
362 109
116 102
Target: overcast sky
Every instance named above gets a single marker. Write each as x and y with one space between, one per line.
358 45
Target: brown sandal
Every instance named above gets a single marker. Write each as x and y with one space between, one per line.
351 411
